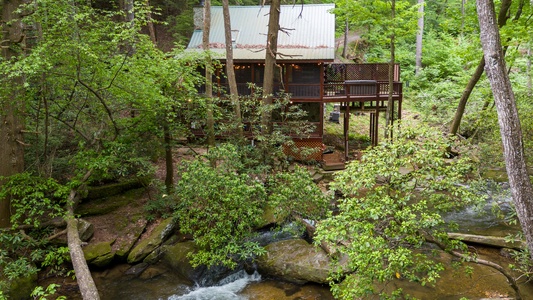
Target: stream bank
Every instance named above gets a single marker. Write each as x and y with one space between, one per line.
120 227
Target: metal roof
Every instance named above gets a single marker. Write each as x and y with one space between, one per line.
310 28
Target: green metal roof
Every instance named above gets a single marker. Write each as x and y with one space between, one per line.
310 28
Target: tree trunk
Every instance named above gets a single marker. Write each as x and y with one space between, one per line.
270 62
84 278
529 81
208 75
459 112
169 162
389 118
419 35
150 24
502 19
128 10
346 31
510 130
11 106
230 71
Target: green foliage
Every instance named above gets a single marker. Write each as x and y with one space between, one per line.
41 294
34 199
392 202
267 153
376 23
220 201
162 206
295 195
25 252
220 209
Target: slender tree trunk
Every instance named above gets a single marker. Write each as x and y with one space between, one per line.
169 162
459 112
346 31
230 71
11 106
529 81
502 19
208 75
510 129
150 24
270 62
389 118
419 36
128 10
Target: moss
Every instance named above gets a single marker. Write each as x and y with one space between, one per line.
93 251
156 238
108 190
107 205
19 288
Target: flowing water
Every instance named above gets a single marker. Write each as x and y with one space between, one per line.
483 220
158 282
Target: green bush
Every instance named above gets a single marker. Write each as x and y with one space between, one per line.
392 202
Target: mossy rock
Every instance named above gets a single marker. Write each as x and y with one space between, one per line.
128 236
269 217
107 205
175 256
100 254
19 288
156 238
296 261
108 190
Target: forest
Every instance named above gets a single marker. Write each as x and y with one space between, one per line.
103 93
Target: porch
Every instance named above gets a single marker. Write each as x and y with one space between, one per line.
356 87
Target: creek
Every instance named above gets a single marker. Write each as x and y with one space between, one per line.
159 282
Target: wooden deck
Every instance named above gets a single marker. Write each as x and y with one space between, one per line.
357 87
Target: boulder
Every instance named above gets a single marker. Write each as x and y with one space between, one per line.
295 260
175 256
85 230
19 288
152 242
127 237
99 254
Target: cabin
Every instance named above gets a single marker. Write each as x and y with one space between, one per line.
308 69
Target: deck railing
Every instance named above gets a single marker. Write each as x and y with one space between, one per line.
339 80
348 89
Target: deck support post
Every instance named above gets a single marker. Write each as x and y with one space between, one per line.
374 120
346 129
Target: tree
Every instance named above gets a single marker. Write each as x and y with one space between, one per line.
11 103
208 74
392 202
510 129
271 52
476 76
389 117
230 71
419 36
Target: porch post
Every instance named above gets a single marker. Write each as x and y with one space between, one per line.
346 128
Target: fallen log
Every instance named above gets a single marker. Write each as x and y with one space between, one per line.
84 278
493 241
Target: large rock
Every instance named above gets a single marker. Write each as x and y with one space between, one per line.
100 254
85 230
19 288
175 256
156 238
128 237
296 261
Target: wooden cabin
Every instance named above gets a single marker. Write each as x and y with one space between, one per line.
306 57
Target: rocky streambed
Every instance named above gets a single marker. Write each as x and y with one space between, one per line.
134 259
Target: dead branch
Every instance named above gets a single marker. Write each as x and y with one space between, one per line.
22 143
